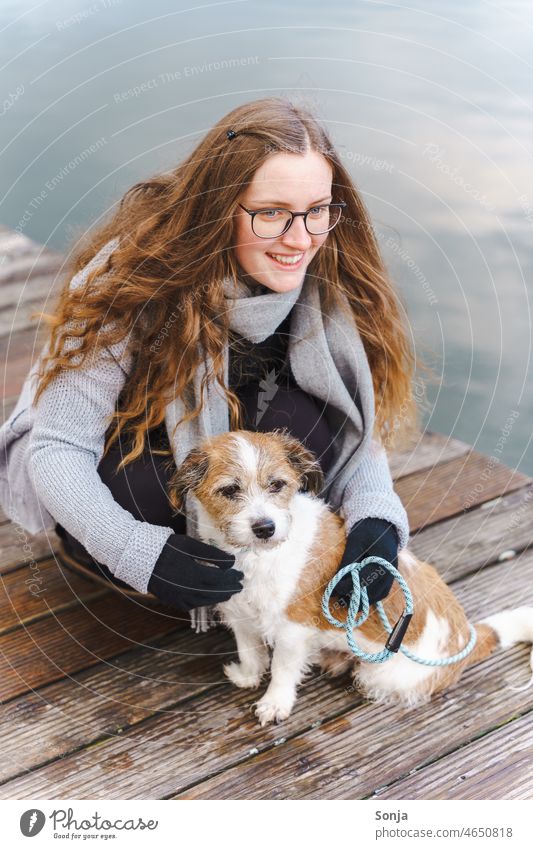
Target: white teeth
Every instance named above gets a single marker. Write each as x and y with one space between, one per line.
287 260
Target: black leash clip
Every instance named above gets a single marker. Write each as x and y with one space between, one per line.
398 632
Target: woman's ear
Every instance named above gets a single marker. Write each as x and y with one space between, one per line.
304 462
189 475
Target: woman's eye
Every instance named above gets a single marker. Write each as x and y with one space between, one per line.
229 491
275 486
270 213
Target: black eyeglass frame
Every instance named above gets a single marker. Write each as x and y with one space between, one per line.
254 212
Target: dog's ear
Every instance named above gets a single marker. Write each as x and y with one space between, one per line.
304 462
189 475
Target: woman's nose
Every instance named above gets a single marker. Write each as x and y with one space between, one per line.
297 236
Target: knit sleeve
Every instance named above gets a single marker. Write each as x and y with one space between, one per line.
369 492
66 446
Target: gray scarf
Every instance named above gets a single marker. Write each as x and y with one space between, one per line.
328 361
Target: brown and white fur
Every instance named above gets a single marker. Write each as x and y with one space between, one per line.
244 483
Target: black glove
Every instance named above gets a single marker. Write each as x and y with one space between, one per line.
178 580
369 537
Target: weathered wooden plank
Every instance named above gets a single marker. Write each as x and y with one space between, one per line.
18 350
352 755
454 487
18 546
23 269
33 592
217 727
347 756
470 541
426 451
338 760
23 298
17 321
19 302
104 700
66 691
14 245
498 766
28 275
77 638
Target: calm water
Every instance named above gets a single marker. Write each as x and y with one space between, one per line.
431 107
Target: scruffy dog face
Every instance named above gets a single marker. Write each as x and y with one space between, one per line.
246 481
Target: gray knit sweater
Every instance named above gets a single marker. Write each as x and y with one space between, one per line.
49 456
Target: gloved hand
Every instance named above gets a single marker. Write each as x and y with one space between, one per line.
369 536
179 581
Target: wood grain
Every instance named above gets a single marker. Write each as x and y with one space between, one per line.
498 766
18 546
336 759
102 701
17 353
350 756
104 678
28 277
34 592
426 451
454 487
470 541
77 638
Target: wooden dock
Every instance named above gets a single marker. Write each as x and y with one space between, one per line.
105 698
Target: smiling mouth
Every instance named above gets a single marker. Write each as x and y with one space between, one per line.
287 260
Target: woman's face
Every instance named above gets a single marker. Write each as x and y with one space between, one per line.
292 181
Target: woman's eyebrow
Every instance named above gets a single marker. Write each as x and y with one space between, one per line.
284 203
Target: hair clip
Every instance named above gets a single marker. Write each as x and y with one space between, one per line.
231 134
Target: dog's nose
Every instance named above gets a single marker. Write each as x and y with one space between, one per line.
263 528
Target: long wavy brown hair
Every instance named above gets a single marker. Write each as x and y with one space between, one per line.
175 235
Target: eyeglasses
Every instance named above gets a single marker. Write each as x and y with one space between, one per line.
271 223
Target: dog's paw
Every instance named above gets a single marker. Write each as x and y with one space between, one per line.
268 711
242 678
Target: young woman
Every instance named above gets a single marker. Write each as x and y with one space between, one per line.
243 289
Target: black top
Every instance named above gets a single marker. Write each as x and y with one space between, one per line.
249 363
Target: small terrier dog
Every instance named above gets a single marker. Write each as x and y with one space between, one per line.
256 496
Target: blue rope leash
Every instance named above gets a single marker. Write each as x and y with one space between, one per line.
397 633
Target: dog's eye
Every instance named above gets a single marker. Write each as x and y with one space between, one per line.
276 485
229 491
